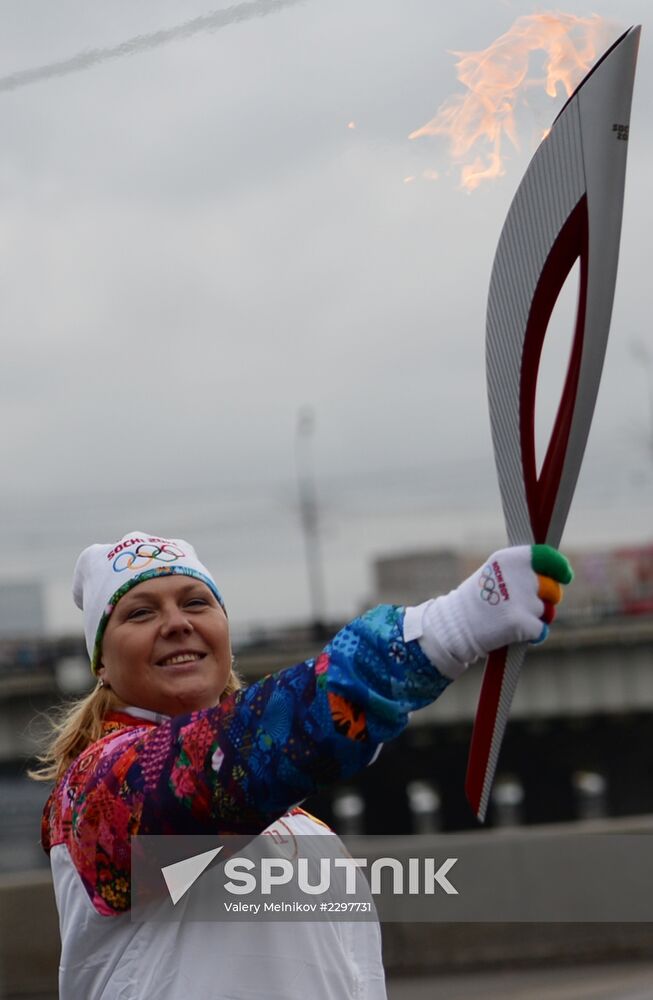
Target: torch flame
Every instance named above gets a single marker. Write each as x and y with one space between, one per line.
477 121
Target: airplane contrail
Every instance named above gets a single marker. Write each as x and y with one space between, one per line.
141 43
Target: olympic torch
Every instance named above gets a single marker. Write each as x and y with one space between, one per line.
568 207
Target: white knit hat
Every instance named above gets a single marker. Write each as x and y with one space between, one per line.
104 573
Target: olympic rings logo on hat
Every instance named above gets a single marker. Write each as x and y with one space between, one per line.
488 585
145 554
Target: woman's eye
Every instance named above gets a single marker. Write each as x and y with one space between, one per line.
196 600
138 613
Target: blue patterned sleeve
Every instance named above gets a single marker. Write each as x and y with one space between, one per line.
372 667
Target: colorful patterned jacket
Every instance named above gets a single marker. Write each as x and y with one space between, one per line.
239 767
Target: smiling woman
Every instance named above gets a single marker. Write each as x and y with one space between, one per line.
169 743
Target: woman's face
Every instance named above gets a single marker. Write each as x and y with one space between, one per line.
166 646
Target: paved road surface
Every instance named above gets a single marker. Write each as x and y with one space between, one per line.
626 981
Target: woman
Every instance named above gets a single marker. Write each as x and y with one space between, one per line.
168 743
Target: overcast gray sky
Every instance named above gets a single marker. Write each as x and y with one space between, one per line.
195 245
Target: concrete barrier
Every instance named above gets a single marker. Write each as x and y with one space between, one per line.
29 937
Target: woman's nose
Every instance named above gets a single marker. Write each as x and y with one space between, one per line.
174 620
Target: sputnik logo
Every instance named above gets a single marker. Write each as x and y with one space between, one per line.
181 875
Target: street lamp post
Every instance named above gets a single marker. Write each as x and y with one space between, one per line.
309 513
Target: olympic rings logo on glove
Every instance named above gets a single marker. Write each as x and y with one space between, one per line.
489 587
145 554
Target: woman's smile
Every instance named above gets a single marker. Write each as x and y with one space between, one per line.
183 657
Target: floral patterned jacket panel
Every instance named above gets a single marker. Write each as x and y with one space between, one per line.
237 767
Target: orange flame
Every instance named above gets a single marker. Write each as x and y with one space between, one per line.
476 121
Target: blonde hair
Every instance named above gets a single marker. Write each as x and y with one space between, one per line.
78 724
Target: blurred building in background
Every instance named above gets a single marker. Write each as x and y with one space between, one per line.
22 609
34 677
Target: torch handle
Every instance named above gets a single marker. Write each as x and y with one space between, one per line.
500 678
478 761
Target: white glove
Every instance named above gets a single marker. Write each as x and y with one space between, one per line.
508 599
